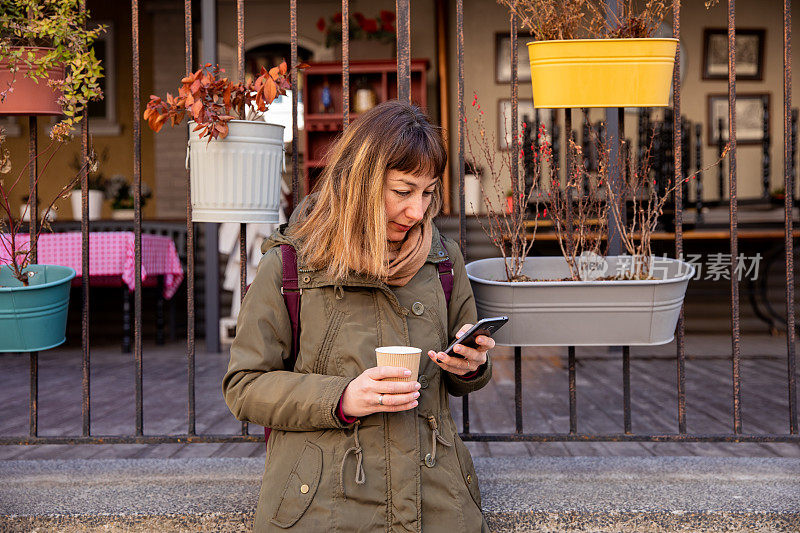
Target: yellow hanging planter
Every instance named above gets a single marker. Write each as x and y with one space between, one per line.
602 72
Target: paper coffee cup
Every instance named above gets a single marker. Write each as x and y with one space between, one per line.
402 356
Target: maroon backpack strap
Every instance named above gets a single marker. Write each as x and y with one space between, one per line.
291 292
446 276
291 296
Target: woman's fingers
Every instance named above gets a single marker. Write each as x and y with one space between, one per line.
382 372
392 400
395 387
454 365
397 408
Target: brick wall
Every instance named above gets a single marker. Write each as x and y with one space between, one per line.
170 143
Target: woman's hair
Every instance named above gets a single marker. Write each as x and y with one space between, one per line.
345 229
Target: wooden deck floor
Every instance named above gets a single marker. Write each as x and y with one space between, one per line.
545 400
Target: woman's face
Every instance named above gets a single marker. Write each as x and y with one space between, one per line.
407 198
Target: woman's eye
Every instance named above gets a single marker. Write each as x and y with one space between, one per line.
428 193
402 193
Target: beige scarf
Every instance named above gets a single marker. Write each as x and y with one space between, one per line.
406 257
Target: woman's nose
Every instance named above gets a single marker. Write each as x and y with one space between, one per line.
416 210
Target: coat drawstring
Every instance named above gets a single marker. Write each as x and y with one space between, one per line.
430 459
356 450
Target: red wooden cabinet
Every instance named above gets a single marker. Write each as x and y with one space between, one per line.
322 126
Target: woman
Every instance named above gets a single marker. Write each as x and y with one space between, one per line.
349 452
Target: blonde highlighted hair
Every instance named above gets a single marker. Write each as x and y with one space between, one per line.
344 230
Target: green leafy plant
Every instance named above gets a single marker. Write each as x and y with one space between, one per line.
213 100
379 29
59 28
120 191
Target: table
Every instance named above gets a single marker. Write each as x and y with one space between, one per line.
111 261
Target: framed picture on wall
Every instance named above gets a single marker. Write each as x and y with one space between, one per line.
525 107
749 54
502 58
750 117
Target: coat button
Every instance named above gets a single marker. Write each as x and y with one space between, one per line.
418 308
430 462
469 478
441 253
306 279
423 382
304 488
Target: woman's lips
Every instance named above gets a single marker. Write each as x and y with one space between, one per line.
401 227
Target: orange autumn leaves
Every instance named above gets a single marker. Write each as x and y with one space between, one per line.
212 100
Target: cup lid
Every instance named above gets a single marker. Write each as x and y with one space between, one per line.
398 349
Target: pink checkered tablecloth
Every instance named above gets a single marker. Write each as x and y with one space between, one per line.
111 254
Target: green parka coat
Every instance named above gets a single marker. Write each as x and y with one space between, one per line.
406 471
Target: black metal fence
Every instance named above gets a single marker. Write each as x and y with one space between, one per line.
404 93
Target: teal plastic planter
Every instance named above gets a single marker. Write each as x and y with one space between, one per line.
34 318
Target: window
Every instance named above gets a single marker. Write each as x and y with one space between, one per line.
103 113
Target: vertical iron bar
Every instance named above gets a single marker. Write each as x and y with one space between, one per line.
137 216
517 209
626 387
720 168
210 229
567 173
793 163
573 400
623 168
462 216
403 8
766 145
190 348
736 339
242 226
33 189
518 384
788 204
345 63
33 212
698 165
677 153
295 77
85 361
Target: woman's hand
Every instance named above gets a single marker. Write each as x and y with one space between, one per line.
473 357
367 394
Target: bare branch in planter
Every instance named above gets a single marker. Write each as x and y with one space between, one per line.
549 20
10 225
647 205
507 229
578 212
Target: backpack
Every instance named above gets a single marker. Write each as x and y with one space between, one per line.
291 296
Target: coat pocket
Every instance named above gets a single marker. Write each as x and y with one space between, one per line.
468 470
300 487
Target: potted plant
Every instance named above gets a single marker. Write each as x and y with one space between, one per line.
582 297
587 55
25 213
47 65
97 187
34 298
235 158
369 38
120 192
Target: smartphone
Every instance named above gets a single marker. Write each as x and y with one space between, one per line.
486 326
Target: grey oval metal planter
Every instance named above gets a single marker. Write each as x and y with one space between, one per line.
581 313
